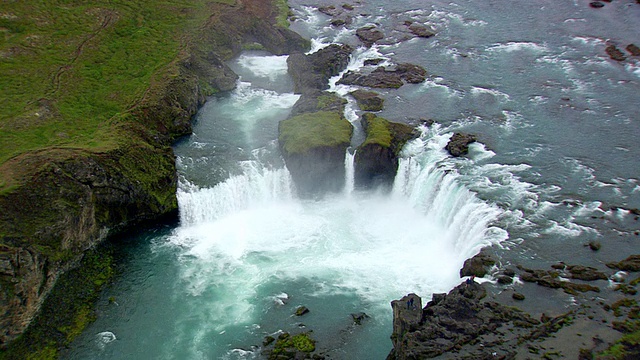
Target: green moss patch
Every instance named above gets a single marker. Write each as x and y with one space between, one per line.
287 346
301 133
377 129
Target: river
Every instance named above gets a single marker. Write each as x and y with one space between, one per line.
556 165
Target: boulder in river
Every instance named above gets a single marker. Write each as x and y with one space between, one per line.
459 144
368 100
478 265
633 49
391 77
312 72
632 263
615 53
315 101
376 159
369 35
421 30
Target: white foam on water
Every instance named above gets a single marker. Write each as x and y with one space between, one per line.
318 44
518 46
589 41
104 338
479 152
568 229
438 83
443 19
478 90
249 105
270 67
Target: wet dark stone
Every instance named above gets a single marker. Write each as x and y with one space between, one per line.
615 53
635 51
301 310
459 144
518 296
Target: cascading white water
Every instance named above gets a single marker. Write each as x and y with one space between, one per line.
254 187
349 172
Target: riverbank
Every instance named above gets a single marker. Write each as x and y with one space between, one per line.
95 97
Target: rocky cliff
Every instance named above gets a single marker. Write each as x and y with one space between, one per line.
376 159
58 202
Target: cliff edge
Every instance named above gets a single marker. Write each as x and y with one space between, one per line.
86 139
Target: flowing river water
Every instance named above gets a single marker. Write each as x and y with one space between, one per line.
557 123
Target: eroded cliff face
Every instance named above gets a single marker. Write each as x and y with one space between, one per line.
64 201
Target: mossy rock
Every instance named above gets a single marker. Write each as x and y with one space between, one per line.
368 100
314 146
324 129
376 159
292 347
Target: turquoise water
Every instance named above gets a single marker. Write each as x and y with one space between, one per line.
557 122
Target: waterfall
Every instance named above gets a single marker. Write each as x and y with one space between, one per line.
349 172
256 185
426 181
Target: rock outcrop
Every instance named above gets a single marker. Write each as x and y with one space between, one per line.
452 321
314 139
369 35
478 265
312 72
376 159
368 100
391 77
458 145
313 146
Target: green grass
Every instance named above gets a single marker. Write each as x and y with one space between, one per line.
69 67
304 132
282 19
378 131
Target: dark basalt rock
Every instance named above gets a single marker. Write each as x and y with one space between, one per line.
390 77
301 310
478 265
312 72
376 160
368 100
330 10
369 62
341 21
632 263
359 318
421 31
369 35
452 321
633 49
551 279
596 4
585 273
459 144
615 53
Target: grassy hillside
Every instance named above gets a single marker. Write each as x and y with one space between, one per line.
72 69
